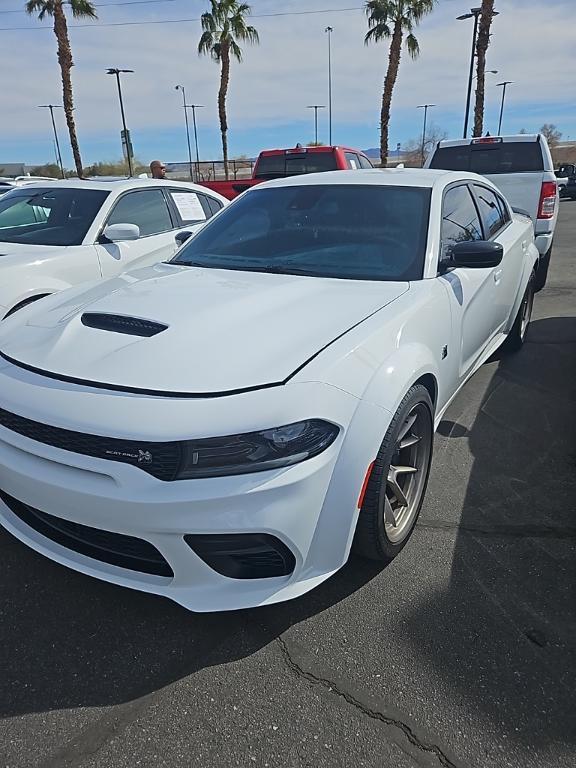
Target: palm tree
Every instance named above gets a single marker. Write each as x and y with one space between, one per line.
224 27
81 9
486 16
393 19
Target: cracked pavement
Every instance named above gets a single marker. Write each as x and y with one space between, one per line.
460 654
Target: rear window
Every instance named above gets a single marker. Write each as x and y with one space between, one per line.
503 157
281 166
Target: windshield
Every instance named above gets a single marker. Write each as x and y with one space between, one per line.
343 230
500 157
294 164
47 216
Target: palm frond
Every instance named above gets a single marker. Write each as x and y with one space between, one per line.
235 50
41 7
412 45
83 9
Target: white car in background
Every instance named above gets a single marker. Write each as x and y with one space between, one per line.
220 429
58 234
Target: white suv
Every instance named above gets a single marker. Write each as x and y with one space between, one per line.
521 167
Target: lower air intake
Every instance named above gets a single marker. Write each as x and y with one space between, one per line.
243 555
113 548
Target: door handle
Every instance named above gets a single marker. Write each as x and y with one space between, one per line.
497 275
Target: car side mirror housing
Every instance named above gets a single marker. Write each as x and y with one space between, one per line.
474 254
118 232
181 237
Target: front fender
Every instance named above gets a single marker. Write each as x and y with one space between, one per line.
399 371
15 290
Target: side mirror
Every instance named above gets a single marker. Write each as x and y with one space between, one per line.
474 254
118 232
181 237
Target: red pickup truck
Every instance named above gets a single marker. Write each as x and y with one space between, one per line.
280 163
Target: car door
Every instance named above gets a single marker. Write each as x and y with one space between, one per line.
472 292
499 226
148 209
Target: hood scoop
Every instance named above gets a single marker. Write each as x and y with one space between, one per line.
131 326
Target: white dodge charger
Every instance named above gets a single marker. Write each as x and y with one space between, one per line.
223 428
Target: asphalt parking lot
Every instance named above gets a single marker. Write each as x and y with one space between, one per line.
461 653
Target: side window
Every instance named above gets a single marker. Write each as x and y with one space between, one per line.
192 208
504 210
352 161
213 204
364 162
460 221
147 209
490 210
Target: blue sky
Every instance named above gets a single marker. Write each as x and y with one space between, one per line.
533 45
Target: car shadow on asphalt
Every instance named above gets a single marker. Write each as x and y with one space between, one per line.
501 632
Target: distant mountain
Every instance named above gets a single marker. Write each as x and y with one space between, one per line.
373 154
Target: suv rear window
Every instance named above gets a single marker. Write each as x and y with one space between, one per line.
281 166
503 157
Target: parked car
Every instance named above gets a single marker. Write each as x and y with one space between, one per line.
53 236
283 163
569 190
563 173
522 169
221 428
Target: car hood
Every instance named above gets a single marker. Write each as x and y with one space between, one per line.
226 330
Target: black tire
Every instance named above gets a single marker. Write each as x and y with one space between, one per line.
375 537
23 304
517 336
542 271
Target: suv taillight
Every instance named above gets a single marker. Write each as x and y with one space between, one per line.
547 206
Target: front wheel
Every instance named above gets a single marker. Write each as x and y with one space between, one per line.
398 481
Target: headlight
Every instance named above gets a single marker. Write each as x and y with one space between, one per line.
255 451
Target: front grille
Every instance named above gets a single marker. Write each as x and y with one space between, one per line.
113 548
162 460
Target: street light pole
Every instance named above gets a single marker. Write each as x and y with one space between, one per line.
425 107
316 107
52 107
475 14
117 72
181 88
503 85
194 107
329 31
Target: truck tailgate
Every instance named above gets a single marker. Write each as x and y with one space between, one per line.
522 190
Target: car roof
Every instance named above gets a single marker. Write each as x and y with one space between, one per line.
400 177
122 185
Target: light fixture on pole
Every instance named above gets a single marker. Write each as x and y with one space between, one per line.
503 85
329 31
181 88
425 107
52 107
474 14
126 142
316 107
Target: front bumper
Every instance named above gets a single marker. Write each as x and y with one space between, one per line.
309 507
